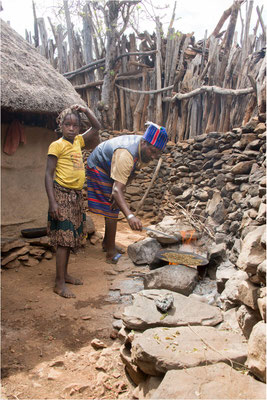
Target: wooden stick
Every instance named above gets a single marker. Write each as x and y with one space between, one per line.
262 23
210 89
144 91
158 73
149 187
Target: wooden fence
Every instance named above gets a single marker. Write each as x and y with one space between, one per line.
190 88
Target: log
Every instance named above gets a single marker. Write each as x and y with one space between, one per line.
158 74
151 103
136 53
59 38
263 27
88 85
210 89
70 34
36 32
85 68
137 115
128 114
245 48
138 208
224 17
144 91
134 85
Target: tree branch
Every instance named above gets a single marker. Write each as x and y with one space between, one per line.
99 63
210 89
145 91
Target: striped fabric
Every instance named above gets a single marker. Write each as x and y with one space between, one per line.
156 135
99 186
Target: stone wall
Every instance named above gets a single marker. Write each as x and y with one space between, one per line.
219 176
220 179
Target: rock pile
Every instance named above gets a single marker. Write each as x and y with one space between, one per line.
217 181
26 252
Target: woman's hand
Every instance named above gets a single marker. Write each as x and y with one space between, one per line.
135 224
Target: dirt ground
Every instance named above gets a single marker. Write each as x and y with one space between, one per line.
46 339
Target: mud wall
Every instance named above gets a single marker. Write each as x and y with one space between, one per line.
24 201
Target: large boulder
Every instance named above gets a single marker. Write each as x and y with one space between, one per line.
177 278
143 252
248 294
143 313
252 252
256 360
261 272
208 382
262 303
229 297
247 319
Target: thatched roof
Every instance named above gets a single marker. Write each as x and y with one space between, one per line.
29 83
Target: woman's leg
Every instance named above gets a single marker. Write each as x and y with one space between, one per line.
62 259
109 238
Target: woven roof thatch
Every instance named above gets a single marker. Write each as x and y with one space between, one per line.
28 82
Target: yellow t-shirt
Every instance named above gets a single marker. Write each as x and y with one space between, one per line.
122 164
70 170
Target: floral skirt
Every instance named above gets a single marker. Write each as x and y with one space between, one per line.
70 229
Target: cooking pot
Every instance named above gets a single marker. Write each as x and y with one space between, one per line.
190 259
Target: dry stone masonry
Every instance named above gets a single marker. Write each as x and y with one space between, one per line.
219 182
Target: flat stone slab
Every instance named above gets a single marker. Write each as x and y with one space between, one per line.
159 350
143 313
178 278
217 381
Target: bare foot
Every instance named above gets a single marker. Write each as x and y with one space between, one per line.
72 280
117 248
64 292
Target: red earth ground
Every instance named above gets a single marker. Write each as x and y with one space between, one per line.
46 339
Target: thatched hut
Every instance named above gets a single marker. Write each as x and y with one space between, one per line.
32 95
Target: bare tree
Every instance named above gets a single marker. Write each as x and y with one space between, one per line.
113 11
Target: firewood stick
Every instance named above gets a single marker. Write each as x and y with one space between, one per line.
149 187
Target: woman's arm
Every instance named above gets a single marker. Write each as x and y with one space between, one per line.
49 179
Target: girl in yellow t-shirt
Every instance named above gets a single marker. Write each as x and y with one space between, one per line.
64 180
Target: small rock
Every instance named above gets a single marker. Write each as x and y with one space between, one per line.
114 334
165 302
97 344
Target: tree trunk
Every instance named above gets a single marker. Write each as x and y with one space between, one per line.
70 35
107 96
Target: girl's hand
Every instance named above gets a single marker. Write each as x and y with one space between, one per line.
79 108
54 211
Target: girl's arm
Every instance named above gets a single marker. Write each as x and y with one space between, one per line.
91 136
49 178
117 195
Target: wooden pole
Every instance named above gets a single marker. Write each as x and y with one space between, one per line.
149 187
158 74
